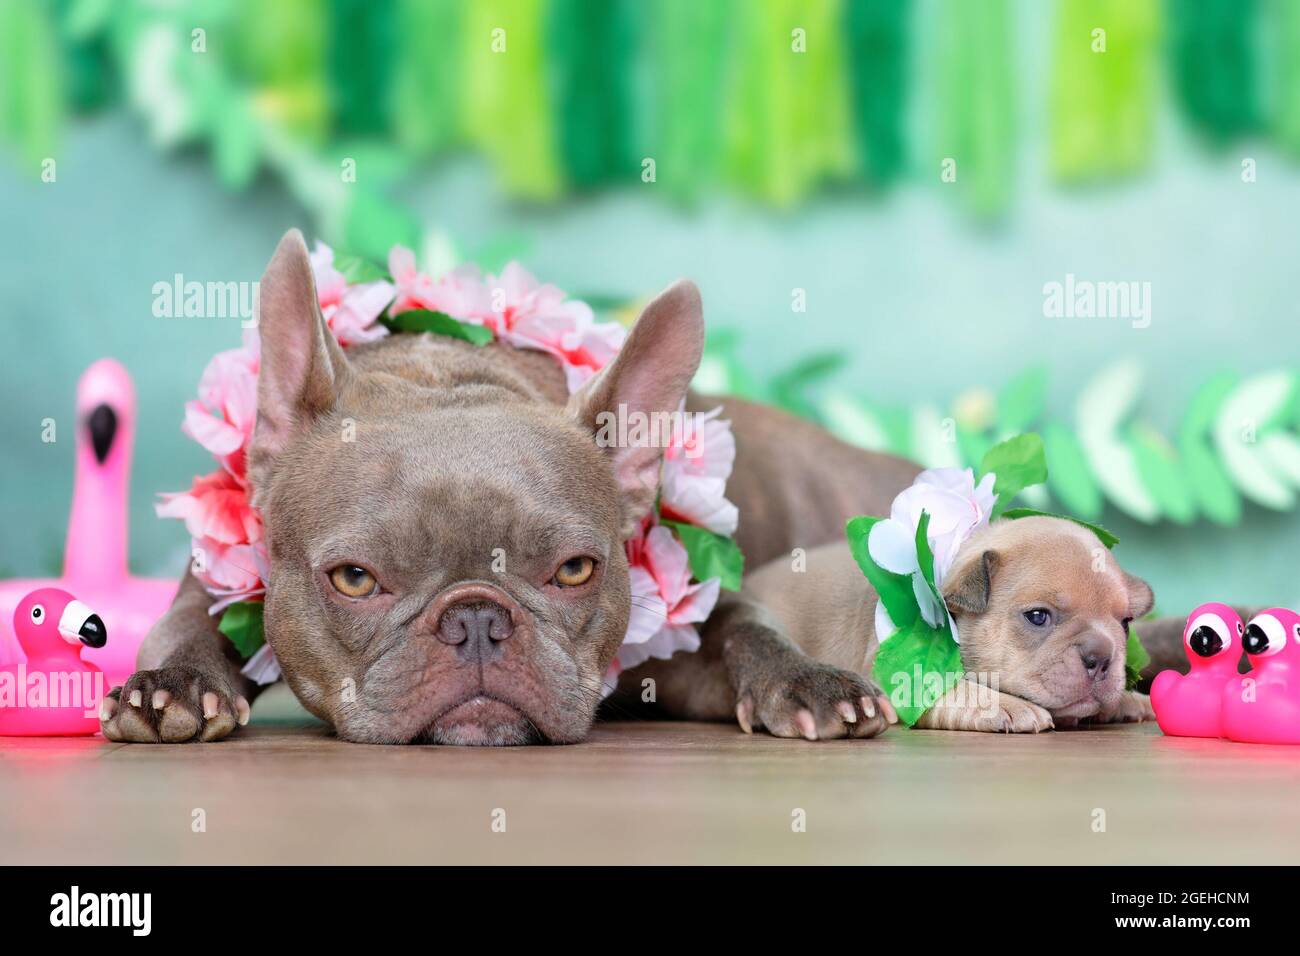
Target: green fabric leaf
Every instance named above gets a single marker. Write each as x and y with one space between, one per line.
355 269
895 590
1018 463
422 320
1068 475
711 555
242 624
1108 539
1135 658
925 557
915 667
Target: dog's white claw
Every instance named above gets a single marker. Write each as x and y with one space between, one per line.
209 705
868 707
136 698
242 711
887 709
107 707
161 699
745 716
807 726
847 712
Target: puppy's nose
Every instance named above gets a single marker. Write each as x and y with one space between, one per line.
475 626
1096 653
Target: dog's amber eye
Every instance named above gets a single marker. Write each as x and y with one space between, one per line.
574 572
354 582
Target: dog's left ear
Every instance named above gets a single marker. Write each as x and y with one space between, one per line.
970 586
649 376
302 366
1140 596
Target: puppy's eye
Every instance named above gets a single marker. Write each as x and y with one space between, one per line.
354 582
574 572
1038 617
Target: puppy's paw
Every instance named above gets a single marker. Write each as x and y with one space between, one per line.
978 708
1129 708
172 705
803 698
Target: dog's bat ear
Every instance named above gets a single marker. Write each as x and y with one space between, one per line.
649 376
969 587
302 365
1140 596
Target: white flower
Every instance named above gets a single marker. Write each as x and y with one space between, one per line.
957 507
697 464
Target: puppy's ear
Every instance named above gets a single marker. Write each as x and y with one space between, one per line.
969 587
302 366
649 375
1140 596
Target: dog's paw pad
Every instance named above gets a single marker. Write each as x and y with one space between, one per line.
814 702
170 705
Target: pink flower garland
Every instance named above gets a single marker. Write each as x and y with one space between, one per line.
227 535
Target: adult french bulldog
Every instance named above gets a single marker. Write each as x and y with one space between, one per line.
1042 609
383 604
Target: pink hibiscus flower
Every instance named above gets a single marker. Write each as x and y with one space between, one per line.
460 293
697 465
223 417
349 310
230 572
665 604
530 315
216 507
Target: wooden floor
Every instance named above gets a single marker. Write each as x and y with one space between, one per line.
654 793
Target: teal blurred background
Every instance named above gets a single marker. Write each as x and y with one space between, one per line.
1169 158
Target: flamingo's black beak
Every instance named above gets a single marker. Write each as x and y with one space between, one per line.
80 623
102 425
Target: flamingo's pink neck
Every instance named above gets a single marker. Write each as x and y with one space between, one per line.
95 553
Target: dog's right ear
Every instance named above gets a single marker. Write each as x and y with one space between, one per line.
971 584
302 366
649 376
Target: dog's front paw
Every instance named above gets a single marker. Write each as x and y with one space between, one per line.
970 706
802 698
172 705
1129 708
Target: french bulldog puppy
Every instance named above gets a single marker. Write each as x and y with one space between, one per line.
1042 610
455 571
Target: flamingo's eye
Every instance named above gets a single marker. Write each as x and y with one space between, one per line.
1265 636
38 614
1208 635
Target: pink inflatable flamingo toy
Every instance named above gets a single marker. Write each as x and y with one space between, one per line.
1263 707
94 559
1187 705
54 692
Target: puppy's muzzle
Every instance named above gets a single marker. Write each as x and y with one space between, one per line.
475 618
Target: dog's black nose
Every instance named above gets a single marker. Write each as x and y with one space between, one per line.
1096 653
475 627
